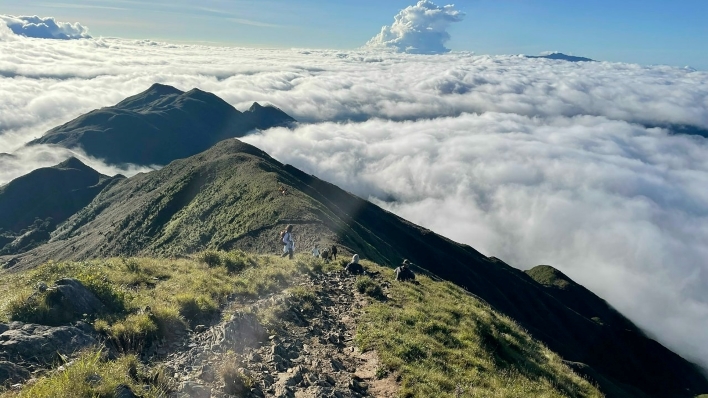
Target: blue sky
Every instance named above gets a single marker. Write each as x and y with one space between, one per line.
645 32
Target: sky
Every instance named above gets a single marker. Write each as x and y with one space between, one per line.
647 32
534 161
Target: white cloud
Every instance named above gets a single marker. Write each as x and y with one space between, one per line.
27 159
418 29
44 28
531 160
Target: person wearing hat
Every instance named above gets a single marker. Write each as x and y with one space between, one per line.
404 273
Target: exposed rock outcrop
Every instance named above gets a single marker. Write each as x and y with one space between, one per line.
25 347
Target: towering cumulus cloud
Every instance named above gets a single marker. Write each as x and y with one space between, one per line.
44 28
418 29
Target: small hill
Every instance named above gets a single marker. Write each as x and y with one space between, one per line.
160 125
32 205
562 57
231 197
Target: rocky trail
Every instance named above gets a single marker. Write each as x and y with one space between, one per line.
307 351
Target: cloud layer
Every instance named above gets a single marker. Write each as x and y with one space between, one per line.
418 29
44 28
535 161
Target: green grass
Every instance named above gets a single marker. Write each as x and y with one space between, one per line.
445 343
151 298
91 375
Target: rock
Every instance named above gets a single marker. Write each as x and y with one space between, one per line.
123 391
190 389
357 385
12 373
336 365
41 344
41 287
279 350
71 296
94 379
200 329
255 357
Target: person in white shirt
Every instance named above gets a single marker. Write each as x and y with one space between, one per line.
288 242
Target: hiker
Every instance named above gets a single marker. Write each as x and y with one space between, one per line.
334 252
288 242
316 250
404 273
354 267
325 255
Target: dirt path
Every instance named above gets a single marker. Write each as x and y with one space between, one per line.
308 352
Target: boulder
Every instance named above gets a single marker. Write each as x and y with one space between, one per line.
11 373
71 296
41 344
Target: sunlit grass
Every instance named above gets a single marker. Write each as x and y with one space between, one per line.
445 343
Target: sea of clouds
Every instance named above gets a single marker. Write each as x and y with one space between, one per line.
534 161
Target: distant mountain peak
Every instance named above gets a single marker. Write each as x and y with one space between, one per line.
268 116
163 89
562 57
161 124
72 163
255 106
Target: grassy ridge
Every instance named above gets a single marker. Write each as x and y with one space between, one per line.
444 342
440 340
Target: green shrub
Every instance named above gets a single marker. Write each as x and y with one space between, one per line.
133 333
91 375
33 309
211 258
368 286
195 308
168 320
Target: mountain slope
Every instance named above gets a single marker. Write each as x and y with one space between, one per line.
160 125
229 197
31 205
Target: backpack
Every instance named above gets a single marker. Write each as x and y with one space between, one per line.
282 236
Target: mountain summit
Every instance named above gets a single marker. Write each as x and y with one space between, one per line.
160 125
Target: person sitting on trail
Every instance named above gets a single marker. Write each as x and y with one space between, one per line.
334 252
288 242
316 250
404 273
325 255
354 267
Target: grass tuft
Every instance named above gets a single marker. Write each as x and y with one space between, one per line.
368 286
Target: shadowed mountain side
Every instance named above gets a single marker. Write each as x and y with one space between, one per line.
160 125
31 205
229 197
578 298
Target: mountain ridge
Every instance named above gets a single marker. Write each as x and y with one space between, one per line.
159 125
229 197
